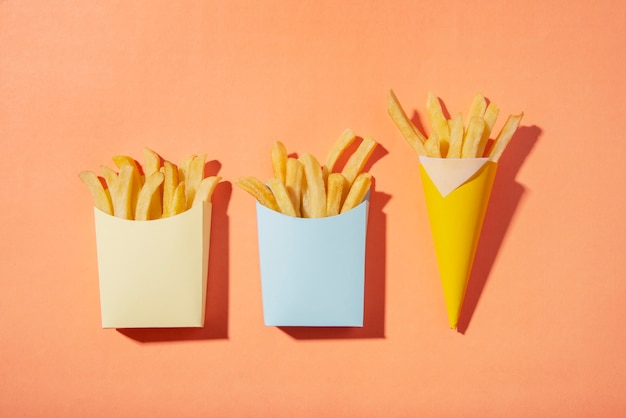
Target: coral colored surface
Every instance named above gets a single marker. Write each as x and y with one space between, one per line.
541 327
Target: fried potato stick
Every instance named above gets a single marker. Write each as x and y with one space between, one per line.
100 194
149 203
315 187
357 192
505 135
282 197
410 133
357 161
259 191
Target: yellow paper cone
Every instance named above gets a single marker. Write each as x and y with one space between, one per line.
456 220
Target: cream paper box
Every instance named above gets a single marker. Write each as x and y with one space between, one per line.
153 274
457 193
312 270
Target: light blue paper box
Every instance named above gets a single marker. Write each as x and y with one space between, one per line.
312 270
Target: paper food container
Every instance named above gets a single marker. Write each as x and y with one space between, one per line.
457 194
312 270
153 273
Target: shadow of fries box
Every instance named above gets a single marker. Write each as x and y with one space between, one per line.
153 274
312 270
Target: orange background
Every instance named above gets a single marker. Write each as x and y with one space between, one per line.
541 327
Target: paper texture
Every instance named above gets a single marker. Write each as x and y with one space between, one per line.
153 273
312 270
447 174
456 222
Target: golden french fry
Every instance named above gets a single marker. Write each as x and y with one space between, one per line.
438 122
123 191
183 168
477 107
137 179
505 135
305 205
101 196
122 160
279 160
282 197
152 162
490 117
170 183
410 133
433 146
206 189
194 177
346 138
149 203
357 161
474 133
259 191
178 204
456 137
357 192
293 182
337 186
315 195
110 176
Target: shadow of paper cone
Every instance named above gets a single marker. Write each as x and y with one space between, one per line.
457 194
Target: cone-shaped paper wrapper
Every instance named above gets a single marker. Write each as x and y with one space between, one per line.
456 221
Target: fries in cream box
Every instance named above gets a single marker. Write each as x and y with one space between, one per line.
153 226
153 273
458 165
312 224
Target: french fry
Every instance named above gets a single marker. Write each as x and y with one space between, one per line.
410 133
170 183
110 176
309 189
152 162
305 205
449 138
456 137
183 168
477 107
279 160
472 138
293 182
259 191
158 195
101 195
315 188
346 138
122 192
137 178
438 121
149 201
433 145
357 161
178 204
490 117
337 187
504 137
194 177
205 190
282 197
357 192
